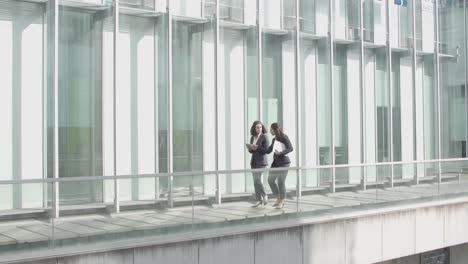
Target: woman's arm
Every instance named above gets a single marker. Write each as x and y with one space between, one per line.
262 148
251 150
270 148
287 144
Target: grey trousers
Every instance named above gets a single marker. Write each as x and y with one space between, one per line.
257 179
279 190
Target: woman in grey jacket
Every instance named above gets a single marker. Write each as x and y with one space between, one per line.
280 159
258 145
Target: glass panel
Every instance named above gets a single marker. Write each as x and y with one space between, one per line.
374 21
376 106
279 80
232 10
188 8
401 24
85 65
404 111
231 75
452 79
324 103
139 67
346 19
187 99
279 14
308 65
22 64
425 25
431 143
347 107
314 17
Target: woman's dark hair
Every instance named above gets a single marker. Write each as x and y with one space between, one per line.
252 128
277 130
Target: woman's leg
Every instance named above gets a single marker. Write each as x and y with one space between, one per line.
282 183
259 192
272 182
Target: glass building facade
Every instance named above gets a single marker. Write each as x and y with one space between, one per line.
132 87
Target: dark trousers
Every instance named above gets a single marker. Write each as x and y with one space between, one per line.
279 190
257 179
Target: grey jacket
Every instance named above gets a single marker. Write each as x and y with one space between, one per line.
281 159
259 158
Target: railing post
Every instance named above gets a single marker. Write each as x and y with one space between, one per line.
55 199
364 178
298 184
170 198
218 191
392 176
116 196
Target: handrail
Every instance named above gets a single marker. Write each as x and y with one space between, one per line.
200 173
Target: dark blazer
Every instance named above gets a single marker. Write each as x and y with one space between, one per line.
281 159
259 158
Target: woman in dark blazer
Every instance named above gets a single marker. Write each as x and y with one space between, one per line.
280 159
258 145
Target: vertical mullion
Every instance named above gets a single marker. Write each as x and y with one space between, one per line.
389 89
114 105
216 46
260 55
45 117
362 91
156 106
332 93
466 74
298 103
170 146
437 82
415 147
56 198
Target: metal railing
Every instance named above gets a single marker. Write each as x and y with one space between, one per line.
364 184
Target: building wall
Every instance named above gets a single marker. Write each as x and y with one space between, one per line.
129 103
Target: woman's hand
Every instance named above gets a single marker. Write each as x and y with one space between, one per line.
253 147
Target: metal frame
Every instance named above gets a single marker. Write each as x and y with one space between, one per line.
414 65
116 53
181 174
170 142
55 186
437 83
390 90
260 56
217 85
298 103
362 89
332 92
466 70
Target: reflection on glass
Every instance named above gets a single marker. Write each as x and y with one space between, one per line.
374 21
452 79
187 96
82 71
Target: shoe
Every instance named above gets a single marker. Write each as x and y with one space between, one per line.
276 203
280 204
257 204
265 199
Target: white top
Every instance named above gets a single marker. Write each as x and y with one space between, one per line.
278 146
